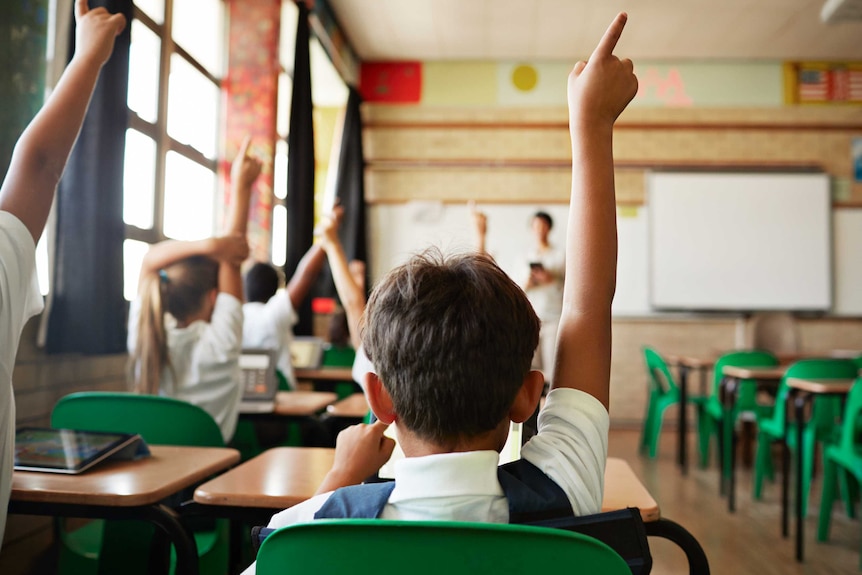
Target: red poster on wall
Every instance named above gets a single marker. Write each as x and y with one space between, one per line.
391 82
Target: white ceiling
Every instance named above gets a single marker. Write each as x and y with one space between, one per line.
568 29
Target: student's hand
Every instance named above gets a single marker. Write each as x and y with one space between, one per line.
246 168
95 32
360 451
480 220
601 88
232 250
327 228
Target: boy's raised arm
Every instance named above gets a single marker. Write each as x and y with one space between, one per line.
598 91
42 150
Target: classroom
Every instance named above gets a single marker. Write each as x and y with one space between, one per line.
332 140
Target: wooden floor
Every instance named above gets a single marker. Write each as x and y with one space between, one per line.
747 541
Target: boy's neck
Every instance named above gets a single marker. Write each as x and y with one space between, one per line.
414 446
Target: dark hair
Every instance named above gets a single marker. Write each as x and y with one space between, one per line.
546 217
261 282
452 340
179 290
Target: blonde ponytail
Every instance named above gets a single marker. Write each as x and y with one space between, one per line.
151 348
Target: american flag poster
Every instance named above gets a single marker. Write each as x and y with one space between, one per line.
822 83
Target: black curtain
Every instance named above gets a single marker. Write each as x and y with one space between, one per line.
300 165
87 309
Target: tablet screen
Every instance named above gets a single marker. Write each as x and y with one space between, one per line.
64 450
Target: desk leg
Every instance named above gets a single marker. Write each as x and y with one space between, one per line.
799 403
785 471
683 417
731 388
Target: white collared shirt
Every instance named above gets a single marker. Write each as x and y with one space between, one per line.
571 448
270 326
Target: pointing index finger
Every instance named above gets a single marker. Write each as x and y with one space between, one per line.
243 147
612 35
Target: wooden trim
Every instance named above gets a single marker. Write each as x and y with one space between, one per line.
620 125
698 165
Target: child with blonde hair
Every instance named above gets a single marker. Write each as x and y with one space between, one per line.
185 327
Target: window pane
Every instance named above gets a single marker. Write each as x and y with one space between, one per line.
279 235
155 9
144 72
193 107
139 180
279 176
42 264
287 42
133 256
189 197
327 87
198 29
285 97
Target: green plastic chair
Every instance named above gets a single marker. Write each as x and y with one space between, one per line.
821 427
715 411
124 546
842 462
663 392
431 548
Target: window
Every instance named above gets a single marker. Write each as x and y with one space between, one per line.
171 183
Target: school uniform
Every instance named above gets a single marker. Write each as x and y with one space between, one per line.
270 326
570 450
204 358
547 302
20 300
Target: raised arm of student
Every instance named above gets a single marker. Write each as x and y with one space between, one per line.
352 295
305 274
598 91
244 171
42 150
480 227
230 249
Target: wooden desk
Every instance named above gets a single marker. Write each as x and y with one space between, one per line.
354 406
802 392
302 403
771 375
624 489
684 364
125 490
325 374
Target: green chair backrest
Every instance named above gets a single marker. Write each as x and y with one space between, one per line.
747 358
824 412
338 356
656 366
159 420
432 548
852 419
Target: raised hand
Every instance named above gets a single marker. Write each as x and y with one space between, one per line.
95 33
232 249
246 168
600 88
327 228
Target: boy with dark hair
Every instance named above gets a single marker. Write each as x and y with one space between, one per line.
452 340
270 313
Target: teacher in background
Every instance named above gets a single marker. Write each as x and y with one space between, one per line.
544 288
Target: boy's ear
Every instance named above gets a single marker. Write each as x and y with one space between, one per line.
528 397
378 398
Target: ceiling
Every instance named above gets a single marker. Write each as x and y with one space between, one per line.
569 29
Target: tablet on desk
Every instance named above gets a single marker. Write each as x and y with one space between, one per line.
71 451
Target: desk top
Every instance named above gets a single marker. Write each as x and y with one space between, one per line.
325 374
754 372
351 406
692 361
302 403
286 476
126 483
841 386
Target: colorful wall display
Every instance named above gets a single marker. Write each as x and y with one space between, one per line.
823 83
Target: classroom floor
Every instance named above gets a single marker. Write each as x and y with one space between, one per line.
745 542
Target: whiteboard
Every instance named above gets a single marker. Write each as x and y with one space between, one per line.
745 241
398 230
847 233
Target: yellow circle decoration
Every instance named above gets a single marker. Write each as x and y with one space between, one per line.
525 77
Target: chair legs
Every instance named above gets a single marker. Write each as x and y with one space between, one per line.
763 467
827 498
705 429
